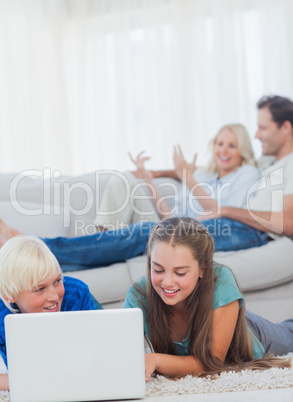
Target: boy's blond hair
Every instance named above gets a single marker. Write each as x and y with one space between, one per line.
24 262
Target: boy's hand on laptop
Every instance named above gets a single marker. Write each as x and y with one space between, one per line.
4 383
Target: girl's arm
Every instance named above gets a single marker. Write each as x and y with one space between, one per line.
162 207
223 327
4 384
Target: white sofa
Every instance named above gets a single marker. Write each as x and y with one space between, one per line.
36 203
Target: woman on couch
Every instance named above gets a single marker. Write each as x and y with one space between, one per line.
224 182
228 178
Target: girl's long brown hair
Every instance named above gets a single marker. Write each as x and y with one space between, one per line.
199 305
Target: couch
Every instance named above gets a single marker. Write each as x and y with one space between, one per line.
47 204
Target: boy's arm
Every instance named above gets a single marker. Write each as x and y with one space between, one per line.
89 302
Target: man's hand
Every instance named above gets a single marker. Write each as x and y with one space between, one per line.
181 165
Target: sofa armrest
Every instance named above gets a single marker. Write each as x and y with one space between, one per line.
29 219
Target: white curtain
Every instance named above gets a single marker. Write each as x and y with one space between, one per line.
84 81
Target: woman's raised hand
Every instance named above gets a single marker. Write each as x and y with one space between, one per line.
181 165
141 172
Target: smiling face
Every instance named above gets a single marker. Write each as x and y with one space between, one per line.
46 297
226 153
269 134
174 273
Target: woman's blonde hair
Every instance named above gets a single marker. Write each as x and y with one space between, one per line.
24 262
191 234
244 146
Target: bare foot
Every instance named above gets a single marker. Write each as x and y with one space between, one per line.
6 232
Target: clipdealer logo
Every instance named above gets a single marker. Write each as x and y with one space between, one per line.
53 194
271 191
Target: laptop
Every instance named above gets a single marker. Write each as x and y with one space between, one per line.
75 356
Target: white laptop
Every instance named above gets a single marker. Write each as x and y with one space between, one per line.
75 356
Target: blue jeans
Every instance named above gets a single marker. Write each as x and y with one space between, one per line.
275 338
100 249
230 235
105 248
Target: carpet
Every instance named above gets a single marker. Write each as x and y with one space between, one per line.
246 380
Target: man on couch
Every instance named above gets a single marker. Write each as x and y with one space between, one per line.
271 208
269 212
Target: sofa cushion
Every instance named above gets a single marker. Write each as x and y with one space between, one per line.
255 268
107 284
261 267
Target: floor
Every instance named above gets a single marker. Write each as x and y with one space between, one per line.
272 395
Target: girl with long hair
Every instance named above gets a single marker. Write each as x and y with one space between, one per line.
194 312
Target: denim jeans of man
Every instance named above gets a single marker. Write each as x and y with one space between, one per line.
105 248
230 235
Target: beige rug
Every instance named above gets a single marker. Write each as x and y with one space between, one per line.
246 380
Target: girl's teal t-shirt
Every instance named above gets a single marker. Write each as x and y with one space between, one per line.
226 291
